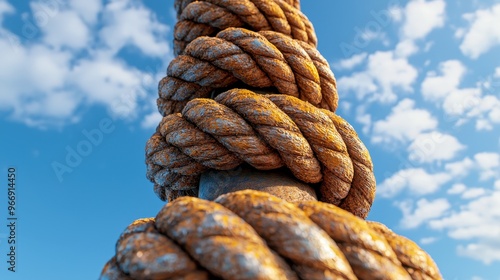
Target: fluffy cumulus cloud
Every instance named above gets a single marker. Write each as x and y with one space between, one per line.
416 180
384 74
67 57
436 86
477 225
423 211
483 33
395 127
349 63
434 146
129 23
432 11
488 165
485 164
413 28
457 189
462 104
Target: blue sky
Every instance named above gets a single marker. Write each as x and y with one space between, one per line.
419 80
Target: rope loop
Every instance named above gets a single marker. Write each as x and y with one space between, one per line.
267 132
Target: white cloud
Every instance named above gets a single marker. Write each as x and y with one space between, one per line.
483 32
151 120
424 211
364 118
461 104
361 83
416 180
349 63
128 23
473 193
396 13
88 10
437 87
396 125
434 146
486 253
384 73
457 189
432 11
5 8
479 222
109 82
428 240
488 165
66 30
406 48
44 80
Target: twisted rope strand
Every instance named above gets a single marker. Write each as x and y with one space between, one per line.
362 192
367 251
219 240
327 144
268 132
238 54
143 253
277 129
306 75
207 17
255 235
415 260
291 233
327 79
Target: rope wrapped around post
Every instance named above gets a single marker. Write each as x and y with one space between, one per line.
249 88
254 235
266 132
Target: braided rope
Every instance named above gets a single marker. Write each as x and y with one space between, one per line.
267 132
265 59
254 235
207 17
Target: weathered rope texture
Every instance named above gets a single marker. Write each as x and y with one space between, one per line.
267 132
260 60
417 262
254 235
207 17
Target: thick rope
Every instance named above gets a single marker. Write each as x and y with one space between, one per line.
291 234
267 132
254 235
416 261
207 17
260 60
219 240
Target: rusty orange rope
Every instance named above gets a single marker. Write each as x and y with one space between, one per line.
255 235
267 132
207 17
249 87
259 60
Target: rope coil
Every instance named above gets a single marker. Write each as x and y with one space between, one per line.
207 17
254 235
260 60
267 132
213 121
